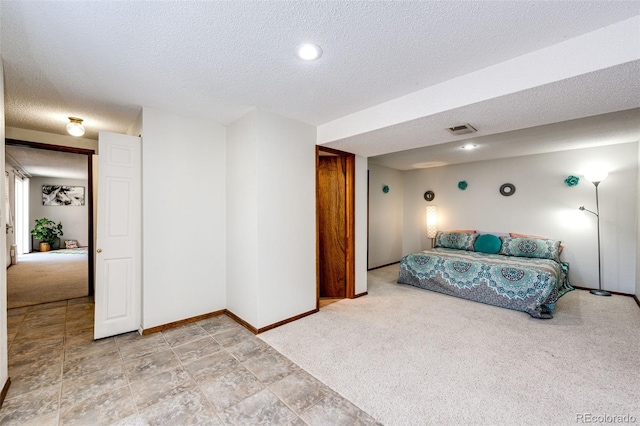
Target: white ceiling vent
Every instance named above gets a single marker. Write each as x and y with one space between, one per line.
461 129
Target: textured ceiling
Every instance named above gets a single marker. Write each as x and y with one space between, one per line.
45 163
605 129
103 61
605 91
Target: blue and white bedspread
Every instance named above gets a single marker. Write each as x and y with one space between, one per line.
525 284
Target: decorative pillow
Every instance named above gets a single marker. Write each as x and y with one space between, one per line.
487 243
516 235
531 247
71 244
456 240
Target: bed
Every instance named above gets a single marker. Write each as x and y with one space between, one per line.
520 273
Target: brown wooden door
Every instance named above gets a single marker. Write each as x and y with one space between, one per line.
332 225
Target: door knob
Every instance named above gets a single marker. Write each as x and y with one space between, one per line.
99 250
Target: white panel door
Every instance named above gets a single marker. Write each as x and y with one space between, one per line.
118 285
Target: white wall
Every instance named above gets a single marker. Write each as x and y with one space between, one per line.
361 225
271 237
286 217
542 205
638 239
135 129
4 369
74 219
385 215
242 221
184 217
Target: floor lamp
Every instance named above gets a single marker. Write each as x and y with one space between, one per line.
596 177
432 224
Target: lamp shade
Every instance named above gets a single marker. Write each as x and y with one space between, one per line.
432 221
596 175
75 127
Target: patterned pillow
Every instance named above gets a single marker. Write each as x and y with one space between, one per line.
531 247
516 235
456 240
70 244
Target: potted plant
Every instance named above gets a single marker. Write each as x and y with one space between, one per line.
48 232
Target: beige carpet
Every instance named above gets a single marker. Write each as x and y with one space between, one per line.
412 357
46 277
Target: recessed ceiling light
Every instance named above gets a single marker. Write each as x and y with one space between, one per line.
469 146
309 51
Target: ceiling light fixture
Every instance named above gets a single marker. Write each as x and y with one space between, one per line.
469 146
75 127
309 51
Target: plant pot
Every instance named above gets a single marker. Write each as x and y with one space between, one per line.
44 246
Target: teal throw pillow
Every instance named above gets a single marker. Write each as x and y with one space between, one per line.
487 243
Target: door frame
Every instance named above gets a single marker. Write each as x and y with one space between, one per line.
350 210
89 200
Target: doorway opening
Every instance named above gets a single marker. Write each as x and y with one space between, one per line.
335 210
26 161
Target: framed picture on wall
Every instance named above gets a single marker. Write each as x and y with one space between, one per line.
62 195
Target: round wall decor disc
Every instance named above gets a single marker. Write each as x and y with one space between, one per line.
507 189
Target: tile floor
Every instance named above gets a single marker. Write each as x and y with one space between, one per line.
213 372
